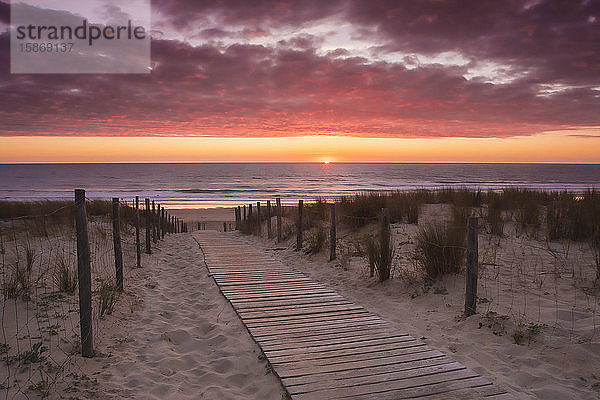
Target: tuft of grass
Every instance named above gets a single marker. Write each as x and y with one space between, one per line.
107 294
31 356
440 250
380 253
316 241
495 219
527 332
17 283
573 217
65 277
248 226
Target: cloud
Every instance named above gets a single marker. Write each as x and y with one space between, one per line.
226 85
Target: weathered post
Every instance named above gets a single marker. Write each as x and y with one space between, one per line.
299 226
84 275
258 221
384 245
224 226
244 212
472 267
332 233
153 222
148 249
158 221
278 203
137 232
249 210
117 244
269 219
163 222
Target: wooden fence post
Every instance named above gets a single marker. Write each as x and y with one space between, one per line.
84 275
148 249
472 267
259 227
299 226
137 232
224 226
269 219
249 210
158 221
278 203
384 244
332 234
153 222
117 244
163 222
244 212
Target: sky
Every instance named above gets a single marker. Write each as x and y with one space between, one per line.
336 80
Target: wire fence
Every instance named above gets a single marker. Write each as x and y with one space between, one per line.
40 312
527 282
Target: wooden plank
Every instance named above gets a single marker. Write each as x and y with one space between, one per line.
304 350
321 335
320 325
404 388
285 371
374 379
258 282
322 340
367 371
305 309
317 343
493 392
306 318
377 349
263 307
397 350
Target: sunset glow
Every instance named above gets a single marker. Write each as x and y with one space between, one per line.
549 147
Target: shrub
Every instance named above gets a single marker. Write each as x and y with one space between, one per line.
17 283
107 297
316 241
494 218
65 277
440 250
248 226
574 217
380 254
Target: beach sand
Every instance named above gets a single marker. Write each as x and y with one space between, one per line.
177 338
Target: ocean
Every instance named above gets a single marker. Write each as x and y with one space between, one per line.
212 185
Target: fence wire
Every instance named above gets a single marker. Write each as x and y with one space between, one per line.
40 333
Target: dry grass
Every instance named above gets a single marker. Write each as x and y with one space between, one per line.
440 250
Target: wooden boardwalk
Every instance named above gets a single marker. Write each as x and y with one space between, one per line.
323 346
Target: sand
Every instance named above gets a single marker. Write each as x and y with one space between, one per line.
181 339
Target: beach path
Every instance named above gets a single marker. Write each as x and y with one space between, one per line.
323 346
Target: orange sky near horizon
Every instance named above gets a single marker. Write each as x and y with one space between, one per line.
558 146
